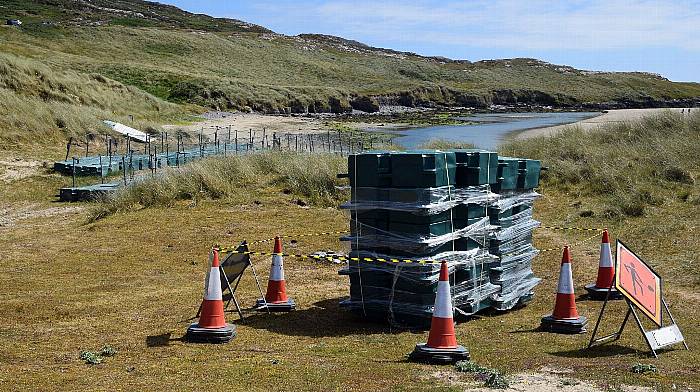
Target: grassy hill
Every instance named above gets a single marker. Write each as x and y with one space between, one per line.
164 58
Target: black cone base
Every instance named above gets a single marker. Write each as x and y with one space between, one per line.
425 354
568 326
599 294
197 334
262 306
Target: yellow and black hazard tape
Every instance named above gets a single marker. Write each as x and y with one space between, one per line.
347 232
302 235
572 228
574 244
225 250
329 258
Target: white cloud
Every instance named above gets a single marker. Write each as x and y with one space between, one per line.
505 24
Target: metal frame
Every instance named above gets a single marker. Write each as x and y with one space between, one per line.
631 310
237 280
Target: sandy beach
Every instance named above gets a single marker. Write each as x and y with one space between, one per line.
609 117
243 122
303 125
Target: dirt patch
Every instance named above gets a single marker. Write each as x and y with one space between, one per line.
687 294
546 380
10 215
554 382
17 169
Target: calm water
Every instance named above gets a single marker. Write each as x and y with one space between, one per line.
491 130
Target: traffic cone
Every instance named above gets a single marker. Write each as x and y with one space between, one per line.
606 273
442 344
565 318
276 299
212 326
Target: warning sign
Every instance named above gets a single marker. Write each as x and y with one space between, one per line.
638 282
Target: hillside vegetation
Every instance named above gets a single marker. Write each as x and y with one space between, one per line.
42 105
182 58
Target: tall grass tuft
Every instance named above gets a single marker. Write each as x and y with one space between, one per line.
440 144
42 106
312 176
631 166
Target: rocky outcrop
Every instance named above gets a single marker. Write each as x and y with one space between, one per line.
642 103
365 104
528 97
435 96
339 105
440 96
217 96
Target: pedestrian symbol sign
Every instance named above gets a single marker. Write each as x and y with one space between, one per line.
638 282
641 287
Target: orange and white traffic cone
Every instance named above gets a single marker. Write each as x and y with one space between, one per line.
442 344
565 318
276 299
606 273
212 326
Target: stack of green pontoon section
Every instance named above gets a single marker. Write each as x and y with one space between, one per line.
512 243
410 210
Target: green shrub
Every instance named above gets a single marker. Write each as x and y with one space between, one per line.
491 378
312 176
445 145
630 166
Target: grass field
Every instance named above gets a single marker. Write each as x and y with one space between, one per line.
133 279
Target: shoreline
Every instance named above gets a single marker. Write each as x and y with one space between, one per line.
304 125
605 118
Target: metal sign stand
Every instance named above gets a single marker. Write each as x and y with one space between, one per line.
655 339
236 278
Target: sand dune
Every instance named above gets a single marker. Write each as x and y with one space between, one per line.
611 116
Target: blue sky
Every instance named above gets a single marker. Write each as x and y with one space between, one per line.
613 35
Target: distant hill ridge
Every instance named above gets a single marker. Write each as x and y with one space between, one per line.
228 64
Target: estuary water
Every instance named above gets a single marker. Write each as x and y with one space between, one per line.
491 128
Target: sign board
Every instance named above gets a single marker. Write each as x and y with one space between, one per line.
641 287
638 282
663 337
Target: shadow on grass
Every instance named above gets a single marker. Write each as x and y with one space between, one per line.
161 340
325 319
605 350
587 298
537 329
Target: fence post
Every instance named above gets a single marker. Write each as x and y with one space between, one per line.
124 168
73 172
340 141
167 150
70 141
